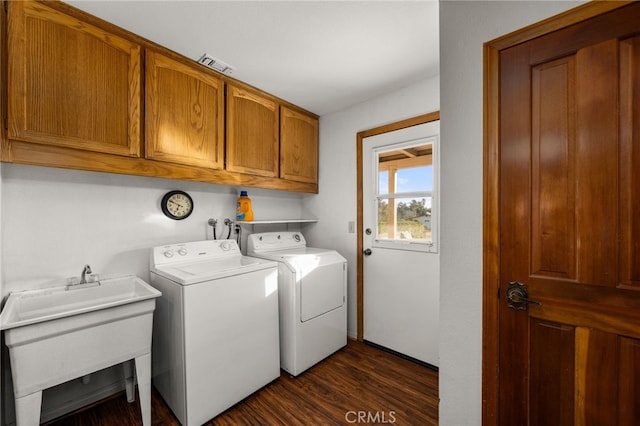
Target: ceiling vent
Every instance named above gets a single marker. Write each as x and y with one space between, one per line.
216 64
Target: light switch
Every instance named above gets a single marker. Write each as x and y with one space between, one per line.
352 227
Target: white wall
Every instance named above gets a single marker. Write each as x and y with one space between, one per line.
54 221
464 27
336 203
2 165
3 351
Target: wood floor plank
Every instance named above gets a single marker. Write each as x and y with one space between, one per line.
358 380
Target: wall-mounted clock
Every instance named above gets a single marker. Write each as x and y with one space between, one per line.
177 205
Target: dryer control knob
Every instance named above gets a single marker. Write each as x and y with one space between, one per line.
183 251
296 237
168 253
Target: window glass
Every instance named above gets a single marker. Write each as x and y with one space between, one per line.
406 196
383 181
412 219
414 179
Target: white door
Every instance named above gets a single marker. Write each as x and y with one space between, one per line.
400 221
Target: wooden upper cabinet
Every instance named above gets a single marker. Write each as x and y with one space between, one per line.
71 83
298 146
252 132
184 113
77 86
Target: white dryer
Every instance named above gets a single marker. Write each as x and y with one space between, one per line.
312 291
215 331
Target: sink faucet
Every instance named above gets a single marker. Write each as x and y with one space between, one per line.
86 279
83 276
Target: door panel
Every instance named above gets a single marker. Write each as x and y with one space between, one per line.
552 369
630 156
629 380
597 157
569 213
553 169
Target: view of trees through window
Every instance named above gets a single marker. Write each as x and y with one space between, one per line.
413 219
405 191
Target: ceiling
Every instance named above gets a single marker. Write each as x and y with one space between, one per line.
321 55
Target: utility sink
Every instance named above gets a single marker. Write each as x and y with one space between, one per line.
57 334
33 306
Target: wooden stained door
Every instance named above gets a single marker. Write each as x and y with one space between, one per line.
563 222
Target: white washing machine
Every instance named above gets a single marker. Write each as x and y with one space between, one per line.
215 331
312 290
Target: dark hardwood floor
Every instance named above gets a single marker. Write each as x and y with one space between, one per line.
358 380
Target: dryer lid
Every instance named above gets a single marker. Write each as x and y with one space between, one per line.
312 258
302 258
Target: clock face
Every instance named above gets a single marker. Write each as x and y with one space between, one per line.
177 205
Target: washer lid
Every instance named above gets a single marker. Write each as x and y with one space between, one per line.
212 269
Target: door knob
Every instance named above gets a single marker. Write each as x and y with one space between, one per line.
367 252
517 296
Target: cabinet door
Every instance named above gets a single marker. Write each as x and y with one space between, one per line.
252 132
298 146
184 113
71 84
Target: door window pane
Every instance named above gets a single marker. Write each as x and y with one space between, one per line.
414 179
383 181
411 221
406 195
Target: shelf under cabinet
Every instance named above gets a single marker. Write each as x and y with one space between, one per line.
275 221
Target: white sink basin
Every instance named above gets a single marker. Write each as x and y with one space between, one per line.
33 306
55 335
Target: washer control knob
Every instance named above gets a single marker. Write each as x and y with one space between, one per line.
182 251
168 253
296 237
225 246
